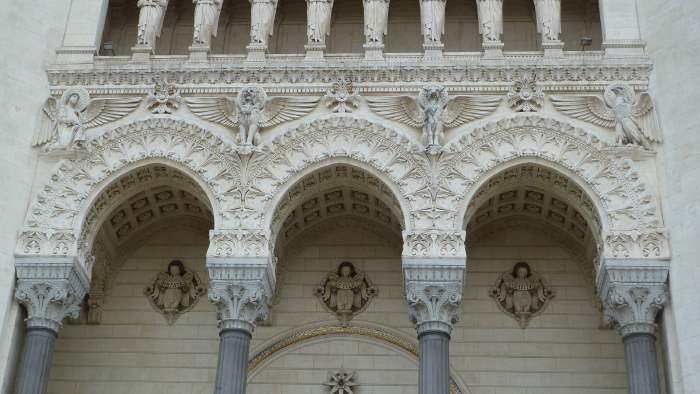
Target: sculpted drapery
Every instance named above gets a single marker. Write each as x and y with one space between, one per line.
151 14
318 25
548 19
490 19
432 18
262 19
206 20
376 16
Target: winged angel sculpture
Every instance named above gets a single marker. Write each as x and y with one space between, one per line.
632 117
73 113
433 110
250 111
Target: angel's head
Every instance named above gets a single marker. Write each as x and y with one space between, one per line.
346 269
176 268
521 270
73 99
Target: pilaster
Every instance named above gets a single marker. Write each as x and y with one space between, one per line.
84 26
620 25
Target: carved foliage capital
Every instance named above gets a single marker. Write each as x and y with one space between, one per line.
48 302
434 295
239 304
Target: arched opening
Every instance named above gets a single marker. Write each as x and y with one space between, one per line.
462 27
138 225
403 29
533 214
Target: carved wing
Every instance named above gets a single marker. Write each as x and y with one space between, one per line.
464 109
589 108
644 113
221 110
284 109
47 129
101 111
404 109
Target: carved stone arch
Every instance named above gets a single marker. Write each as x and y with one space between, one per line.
383 153
59 212
624 204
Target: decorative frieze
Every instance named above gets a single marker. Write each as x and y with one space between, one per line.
434 244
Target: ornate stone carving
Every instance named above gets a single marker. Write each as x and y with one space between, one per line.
376 17
632 117
151 15
175 291
318 21
342 97
490 13
206 20
341 382
548 14
250 111
433 110
633 292
164 99
434 293
262 21
432 19
239 305
434 244
524 95
521 293
346 291
238 243
74 112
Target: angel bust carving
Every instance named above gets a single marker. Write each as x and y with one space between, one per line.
632 117
69 116
174 291
434 110
345 291
251 110
521 293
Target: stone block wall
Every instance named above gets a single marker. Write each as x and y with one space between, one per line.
134 351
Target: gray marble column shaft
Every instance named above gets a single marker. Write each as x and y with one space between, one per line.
35 363
434 365
232 369
641 361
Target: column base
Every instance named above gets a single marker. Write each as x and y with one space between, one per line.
73 55
374 51
315 52
493 49
199 53
624 47
141 53
553 48
256 52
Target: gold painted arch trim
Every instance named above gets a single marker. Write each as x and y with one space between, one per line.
329 331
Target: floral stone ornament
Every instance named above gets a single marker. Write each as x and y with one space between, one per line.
345 291
521 293
341 382
174 291
524 95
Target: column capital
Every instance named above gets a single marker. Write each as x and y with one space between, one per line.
633 292
50 289
434 295
239 305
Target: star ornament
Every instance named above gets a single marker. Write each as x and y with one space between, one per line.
341 382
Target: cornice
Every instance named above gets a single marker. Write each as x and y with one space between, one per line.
291 74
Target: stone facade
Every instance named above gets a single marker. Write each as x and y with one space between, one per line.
433 146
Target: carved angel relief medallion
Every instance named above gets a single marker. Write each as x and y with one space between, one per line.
250 111
434 111
521 293
174 291
632 117
345 291
73 113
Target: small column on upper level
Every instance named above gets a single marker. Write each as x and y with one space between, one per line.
432 20
633 292
318 27
620 23
548 14
206 23
262 22
81 41
151 15
376 20
490 14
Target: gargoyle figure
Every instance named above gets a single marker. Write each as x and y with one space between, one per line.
434 110
75 112
250 111
632 117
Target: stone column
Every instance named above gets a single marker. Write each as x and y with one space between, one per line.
548 13
490 13
50 292
434 265
241 284
633 292
84 28
620 24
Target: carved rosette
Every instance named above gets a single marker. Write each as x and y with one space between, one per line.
633 292
239 305
434 295
50 292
